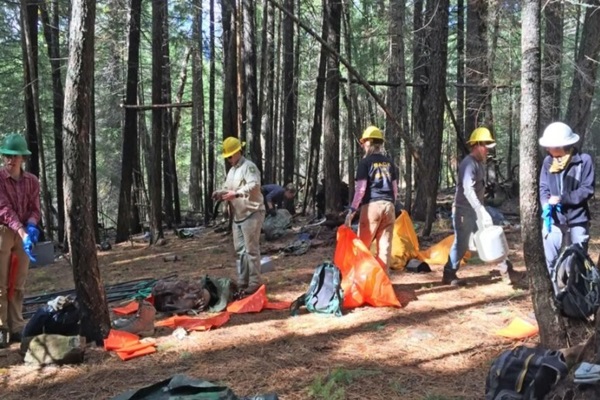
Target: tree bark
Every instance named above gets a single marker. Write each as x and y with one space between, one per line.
210 167
230 84
155 182
551 63
331 110
476 65
551 326
267 90
76 136
53 44
130 129
312 174
586 67
249 65
197 134
460 79
429 126
287 87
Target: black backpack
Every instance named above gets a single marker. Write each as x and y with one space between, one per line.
524 373
325 294
576 283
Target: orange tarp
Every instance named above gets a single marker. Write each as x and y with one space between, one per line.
257 302
519 329
363 279
194 323
127 345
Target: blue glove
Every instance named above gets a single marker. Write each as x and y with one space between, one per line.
33 233
547 216
28 246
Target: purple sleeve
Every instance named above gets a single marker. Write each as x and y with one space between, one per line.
360 188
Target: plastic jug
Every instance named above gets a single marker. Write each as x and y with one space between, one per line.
491 244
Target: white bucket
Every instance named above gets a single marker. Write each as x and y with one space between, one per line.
491 244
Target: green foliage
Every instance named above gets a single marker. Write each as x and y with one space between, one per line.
331 387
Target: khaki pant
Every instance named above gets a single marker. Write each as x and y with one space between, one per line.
246 240
11 311
377 222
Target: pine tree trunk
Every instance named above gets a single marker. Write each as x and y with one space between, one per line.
552 333
460 79
197 134
287 91
130 129
586 67
331 110
76 136
154 167
251 88
267 91
430 103
476 65
230 84
551 63
53 44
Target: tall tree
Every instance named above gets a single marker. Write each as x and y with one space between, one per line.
331 110
429 122
551 62
312 173
210 154
76 141
197 135
50 22
251 86
586 67
158 120
551 325
129 152
266 104
460 77
230 84
476 73
289 97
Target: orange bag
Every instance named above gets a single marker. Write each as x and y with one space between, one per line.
405 244
117 339
363 279
438 253
127 309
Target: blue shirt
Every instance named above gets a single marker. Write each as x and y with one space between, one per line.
379 171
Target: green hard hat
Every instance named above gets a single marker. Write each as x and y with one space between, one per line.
14 144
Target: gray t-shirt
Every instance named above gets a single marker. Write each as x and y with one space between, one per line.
471 184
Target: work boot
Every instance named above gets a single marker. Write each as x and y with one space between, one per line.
4 338
143 322
451 279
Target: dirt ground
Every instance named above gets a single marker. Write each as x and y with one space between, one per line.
437 346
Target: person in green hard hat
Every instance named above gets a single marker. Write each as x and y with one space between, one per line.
19 217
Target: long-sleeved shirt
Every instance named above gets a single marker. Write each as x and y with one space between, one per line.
19 200
273 194
574 185
470 186
244 179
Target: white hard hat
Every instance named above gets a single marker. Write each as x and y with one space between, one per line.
558 134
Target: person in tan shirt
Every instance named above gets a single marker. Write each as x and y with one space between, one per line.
242 191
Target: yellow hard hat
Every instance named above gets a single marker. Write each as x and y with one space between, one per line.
372 132
481 134
231 145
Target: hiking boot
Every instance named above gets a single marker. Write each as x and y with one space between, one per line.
451 279
15 337
251 289
4 338
143 322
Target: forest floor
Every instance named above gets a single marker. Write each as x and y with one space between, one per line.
438 346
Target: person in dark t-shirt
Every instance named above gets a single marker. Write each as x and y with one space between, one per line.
375 192
275 195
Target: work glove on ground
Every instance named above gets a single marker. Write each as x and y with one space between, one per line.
28 246
484 218
33 233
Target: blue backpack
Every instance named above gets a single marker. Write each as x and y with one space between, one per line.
325 294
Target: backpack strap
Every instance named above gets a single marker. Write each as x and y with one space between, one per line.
296 304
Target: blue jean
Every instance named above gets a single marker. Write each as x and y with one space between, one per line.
465 224
563 234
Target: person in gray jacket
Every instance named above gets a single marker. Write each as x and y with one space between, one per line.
468 205
567 182
242 191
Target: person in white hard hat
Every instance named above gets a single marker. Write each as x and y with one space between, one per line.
566 184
